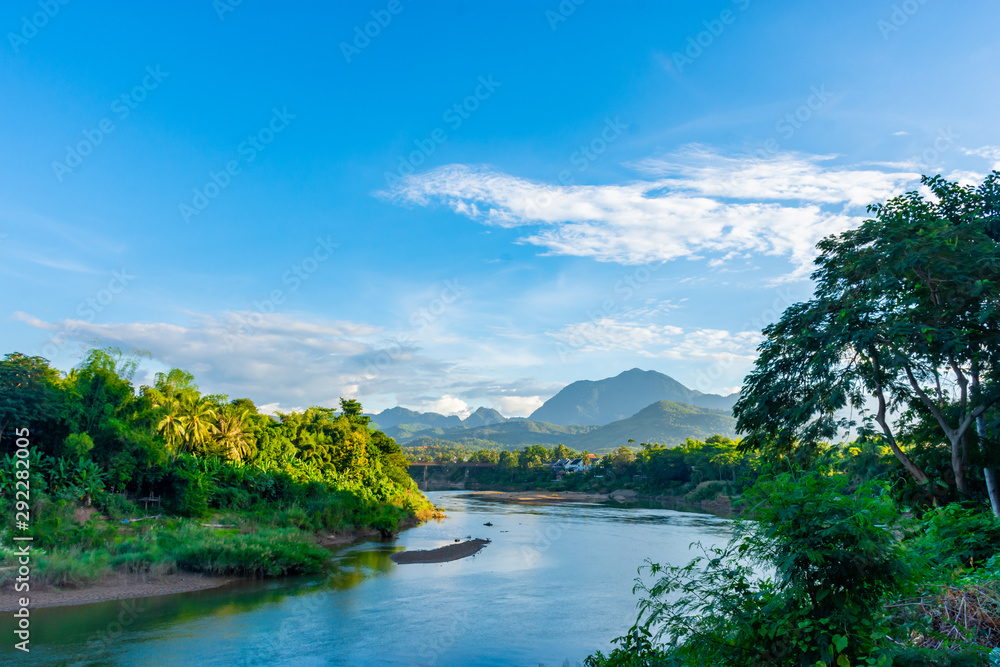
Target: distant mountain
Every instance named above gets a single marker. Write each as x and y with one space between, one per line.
663 422
514 434
483 417
601 402
396 416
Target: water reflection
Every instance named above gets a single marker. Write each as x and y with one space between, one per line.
555 577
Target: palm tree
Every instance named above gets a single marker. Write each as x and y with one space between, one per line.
232 437
198 423
172 424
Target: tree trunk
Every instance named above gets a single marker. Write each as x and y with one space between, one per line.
958 465
990 474
992 488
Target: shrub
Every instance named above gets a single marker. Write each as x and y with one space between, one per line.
954 536
73 568
189 495
833 565
268 553
706 491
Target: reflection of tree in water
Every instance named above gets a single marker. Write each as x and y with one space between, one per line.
355 566
79 625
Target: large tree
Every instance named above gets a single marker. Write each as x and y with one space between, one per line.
905 315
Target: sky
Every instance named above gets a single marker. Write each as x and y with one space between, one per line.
457 204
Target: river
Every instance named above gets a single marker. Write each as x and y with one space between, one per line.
553 586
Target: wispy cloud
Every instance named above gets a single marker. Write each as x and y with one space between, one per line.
692 203
620 334
991 153
289 361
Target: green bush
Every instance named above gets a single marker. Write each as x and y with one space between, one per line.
72 568
954 536
189 493
267 553
231 498
833 566
707 491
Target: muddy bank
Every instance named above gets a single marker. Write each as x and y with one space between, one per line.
539 496
119 587
441 554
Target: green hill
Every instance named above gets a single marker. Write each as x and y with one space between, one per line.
663 422
612 399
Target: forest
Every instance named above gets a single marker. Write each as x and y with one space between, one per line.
884 550
115 478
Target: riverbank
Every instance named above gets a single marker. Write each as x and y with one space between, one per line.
539 496
721 504
117 587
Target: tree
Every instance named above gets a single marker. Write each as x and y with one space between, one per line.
830 565
28 388
622 456
561 451
171 425
906 311
232 435
198 421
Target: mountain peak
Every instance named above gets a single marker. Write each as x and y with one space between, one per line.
588 402
483 417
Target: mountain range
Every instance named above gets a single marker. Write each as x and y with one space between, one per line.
605 401
598 416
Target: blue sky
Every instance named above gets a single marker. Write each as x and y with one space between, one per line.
473 204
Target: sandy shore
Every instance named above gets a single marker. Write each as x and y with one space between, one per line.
120 587
442 554
540 496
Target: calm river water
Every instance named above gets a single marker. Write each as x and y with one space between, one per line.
553 586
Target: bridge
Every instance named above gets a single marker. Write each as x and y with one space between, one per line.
449 464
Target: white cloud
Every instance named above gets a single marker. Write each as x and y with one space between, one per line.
448 405
286 362
616 334
520 406
785 176
991 153
696 202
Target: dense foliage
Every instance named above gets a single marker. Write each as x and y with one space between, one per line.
903 328
96 440
885 551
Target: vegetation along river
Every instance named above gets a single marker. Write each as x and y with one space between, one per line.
553 585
